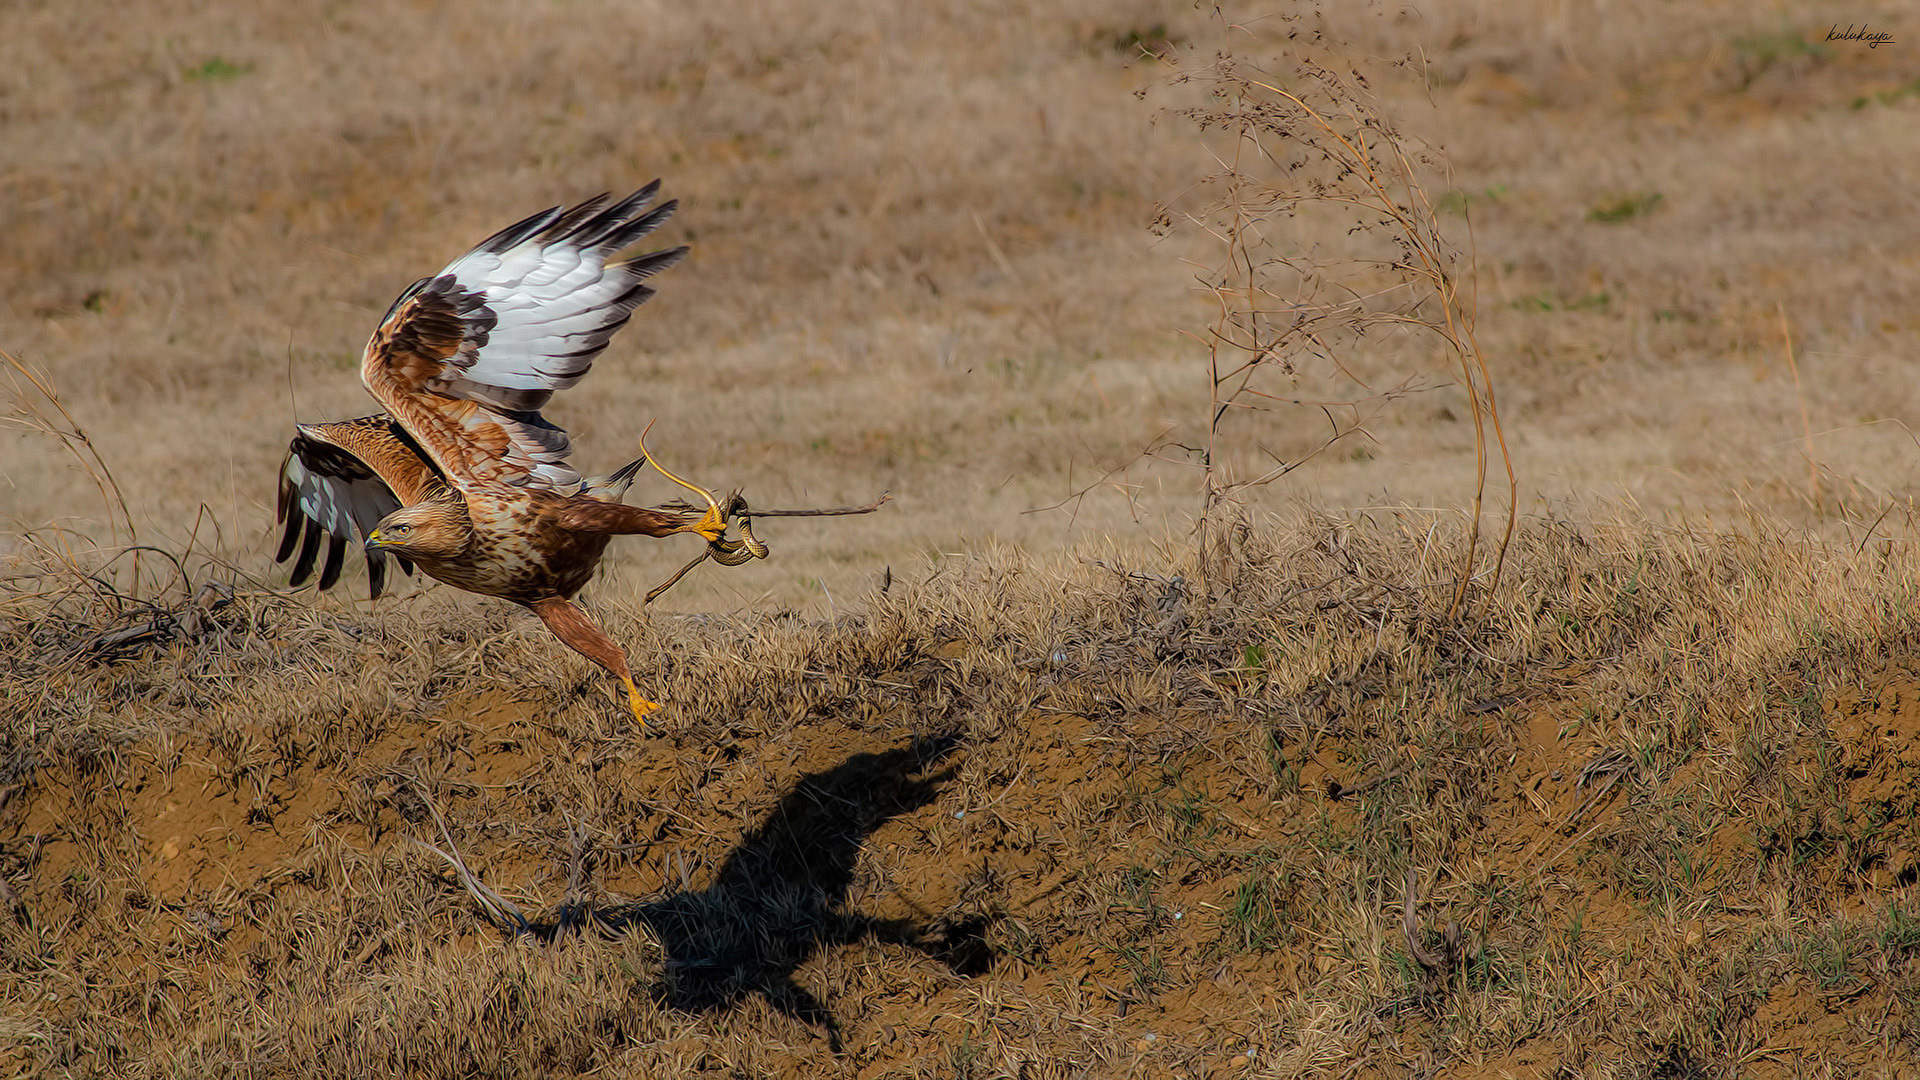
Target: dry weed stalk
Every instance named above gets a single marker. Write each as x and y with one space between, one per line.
1299 144
28 412
499 910
1806 423
41 410
738 510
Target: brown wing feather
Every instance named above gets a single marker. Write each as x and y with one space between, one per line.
469 442
464 360
337 482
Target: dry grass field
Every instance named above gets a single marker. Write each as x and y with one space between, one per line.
1005 779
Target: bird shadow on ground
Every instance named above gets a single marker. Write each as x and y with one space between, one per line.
782 894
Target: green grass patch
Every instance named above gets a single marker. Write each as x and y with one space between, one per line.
1625 207
1458 201
217 69
1548 300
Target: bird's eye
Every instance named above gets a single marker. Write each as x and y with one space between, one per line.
401 530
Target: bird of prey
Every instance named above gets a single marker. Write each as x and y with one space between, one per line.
461 475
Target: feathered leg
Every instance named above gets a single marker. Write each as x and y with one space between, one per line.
602 513
572 626
589 515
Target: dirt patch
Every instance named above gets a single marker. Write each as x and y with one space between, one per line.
1878 738
1000 824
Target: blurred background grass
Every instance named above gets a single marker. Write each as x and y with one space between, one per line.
921 255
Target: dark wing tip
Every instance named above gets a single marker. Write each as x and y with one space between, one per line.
622 223
309 550
290 535
580 216
622 233
377 571
626 472
336 555
653 262
519 231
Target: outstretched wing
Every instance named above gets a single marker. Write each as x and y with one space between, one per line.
338 481
465 360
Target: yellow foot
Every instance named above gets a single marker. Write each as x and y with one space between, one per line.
712 526
640 705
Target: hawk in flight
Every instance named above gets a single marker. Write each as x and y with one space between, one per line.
462 476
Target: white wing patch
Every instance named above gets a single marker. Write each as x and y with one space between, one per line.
536 303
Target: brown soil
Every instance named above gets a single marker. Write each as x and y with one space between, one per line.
1011 820
936 885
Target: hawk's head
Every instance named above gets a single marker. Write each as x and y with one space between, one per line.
435 529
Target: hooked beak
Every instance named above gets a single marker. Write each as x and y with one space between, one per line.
374 542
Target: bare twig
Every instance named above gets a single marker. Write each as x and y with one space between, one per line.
1305 141
740 509
1612 764
654 593
832 511
1337 791
503 912
27 413
1806 424
736 507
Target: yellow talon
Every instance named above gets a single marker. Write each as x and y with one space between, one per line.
640 705
712 526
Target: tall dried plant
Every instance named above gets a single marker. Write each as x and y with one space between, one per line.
1302 148
36 407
